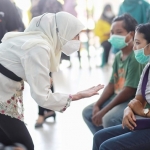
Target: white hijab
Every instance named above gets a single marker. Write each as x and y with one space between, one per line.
45 27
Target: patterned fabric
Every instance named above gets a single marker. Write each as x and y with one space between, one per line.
68 103
14 106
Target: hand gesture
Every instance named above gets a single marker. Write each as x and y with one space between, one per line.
129 119
87 93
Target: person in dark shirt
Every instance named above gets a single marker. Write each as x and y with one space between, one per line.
9 18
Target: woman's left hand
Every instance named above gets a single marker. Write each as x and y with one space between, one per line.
129 119
88 93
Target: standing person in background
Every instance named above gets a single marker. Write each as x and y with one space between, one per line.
9 18
45 6
21 25
138 9
69 6
102 30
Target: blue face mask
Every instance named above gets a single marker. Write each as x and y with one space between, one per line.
140 56
118 41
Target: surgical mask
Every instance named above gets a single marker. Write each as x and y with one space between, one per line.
109 14
140 56
118 41
70 47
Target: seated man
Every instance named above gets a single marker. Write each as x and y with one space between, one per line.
108 110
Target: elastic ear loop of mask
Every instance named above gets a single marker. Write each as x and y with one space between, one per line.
58 32
56 25
146 46
38 23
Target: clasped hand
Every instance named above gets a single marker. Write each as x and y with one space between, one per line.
97 116
129 119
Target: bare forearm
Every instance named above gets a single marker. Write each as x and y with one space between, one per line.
122 97
107 93
137 105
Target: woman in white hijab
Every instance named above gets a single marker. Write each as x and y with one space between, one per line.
30 56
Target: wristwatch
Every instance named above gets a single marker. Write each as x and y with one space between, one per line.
146 111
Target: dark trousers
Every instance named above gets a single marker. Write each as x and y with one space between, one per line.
13 131
42 110
106 46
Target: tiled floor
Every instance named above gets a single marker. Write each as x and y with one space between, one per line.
69 132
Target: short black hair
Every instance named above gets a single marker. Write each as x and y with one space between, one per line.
129 22
145 30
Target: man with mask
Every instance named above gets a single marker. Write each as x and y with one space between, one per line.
108 110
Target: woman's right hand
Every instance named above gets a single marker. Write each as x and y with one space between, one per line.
128 119
87 93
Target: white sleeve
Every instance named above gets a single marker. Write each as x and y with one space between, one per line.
36 64
147 92
139 92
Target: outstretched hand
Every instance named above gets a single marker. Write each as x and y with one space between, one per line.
88 92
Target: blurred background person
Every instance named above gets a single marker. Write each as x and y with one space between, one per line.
45 6
69 6
102 30
21 25
9 18
138 9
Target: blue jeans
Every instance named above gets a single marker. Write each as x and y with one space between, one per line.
117 138
111 118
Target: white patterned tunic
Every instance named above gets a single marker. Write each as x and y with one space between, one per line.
14 106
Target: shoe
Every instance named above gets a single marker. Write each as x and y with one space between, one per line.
39 122
52 114
39 125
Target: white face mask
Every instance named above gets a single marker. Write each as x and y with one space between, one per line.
70 47
109 14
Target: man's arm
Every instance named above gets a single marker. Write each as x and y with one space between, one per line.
125 94
109 89
107 93
137 105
